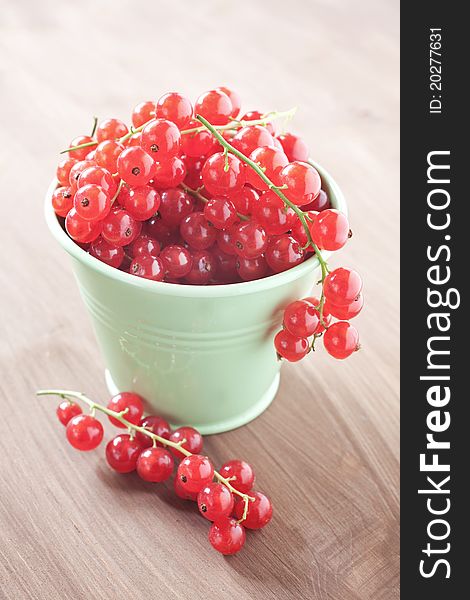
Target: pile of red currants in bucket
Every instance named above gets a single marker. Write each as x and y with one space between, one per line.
209 195
150 448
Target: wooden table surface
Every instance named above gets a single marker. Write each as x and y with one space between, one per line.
326 451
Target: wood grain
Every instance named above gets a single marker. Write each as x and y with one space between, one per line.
326 451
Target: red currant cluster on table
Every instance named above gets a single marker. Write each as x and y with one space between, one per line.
150 448
206 196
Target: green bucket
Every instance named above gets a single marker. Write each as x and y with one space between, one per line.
200 355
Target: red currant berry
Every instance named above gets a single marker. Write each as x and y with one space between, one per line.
183 493
175 108
193 177
290 347
160 231
107 253
122 453
301 319
250 239
221 182
215 500
119 228
252 137
155 464
175 205
80 153
62 200
161 139
197 231
135 166
341 339
256 115
76 170
203 269
226 266
107 154
271 161
84 432
144 245
148 267
326 318
294 147
284 252
330 230
193 441
98 176
156 425
344 313
220 212
259 512
132 403
91 202
169 173
298 230
241 474
245 200
234 99
227 536
111 129
143 112
177 261
67 410
79 230
225 240
250 269
198 143
215 106
142 202
303 182
342 286
321 202
195 472
271 212
63 170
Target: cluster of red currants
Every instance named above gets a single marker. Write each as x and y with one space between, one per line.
150 448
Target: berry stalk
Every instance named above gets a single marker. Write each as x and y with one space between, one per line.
119 416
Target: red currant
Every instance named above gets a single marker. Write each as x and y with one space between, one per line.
227 536
195 472
215 106
203 269
197 231
284 252
148 267
294 147
144 245
142 202
120 228
342 286
155 424
220 212
135 166
67 410
176 108
107 253
177 261
84 432
122 453
63 170
221 182
169 173
130 401
80 230
256 115
80 153
111 129
62 200
271 161
290 347
215 500
245 200
330 230
193 178
183 493
344 313
241 474
225 240
158 230
175 205
250 239
91 202
298 230
107 154
198 143
301 319
326 317
234 99
252 268
226 266
161 139
143 112
193 441
321 202
76 170
259 512
155 464
252 137
341 339
271 212
98 176
303 182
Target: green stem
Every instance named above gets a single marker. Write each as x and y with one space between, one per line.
85 145
95 123
121 183
119 416
197 194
